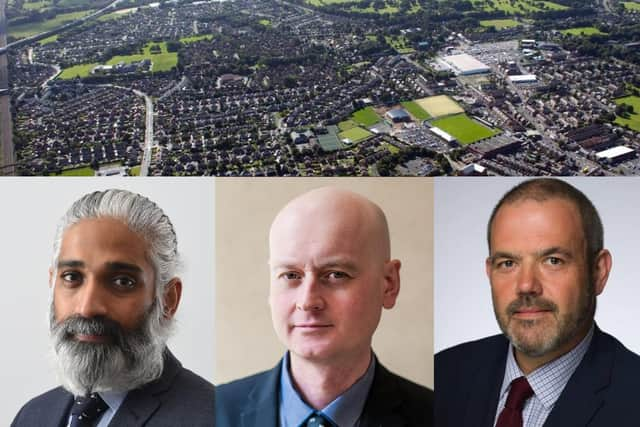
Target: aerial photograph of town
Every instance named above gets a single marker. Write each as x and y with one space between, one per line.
319 87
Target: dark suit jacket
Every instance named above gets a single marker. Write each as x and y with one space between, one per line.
179 398
392 402
602 392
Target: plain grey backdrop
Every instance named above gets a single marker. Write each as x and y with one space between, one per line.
462 296
30 210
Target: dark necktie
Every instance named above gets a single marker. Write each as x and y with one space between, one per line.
317 420
511 415
86 410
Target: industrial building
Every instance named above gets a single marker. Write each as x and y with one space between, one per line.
464 64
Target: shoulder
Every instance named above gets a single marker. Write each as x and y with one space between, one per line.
231 391
414 394
479 349
626 364
42 408
188 382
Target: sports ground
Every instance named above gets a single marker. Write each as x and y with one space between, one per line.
464 129
440 105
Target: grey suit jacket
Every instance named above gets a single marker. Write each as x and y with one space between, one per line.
392 402
178 398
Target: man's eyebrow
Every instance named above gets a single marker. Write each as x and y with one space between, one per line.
503 254
124 266
70 263
555 250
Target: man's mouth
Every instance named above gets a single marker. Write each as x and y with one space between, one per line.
530 312
98 339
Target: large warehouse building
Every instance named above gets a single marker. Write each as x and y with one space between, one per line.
465 65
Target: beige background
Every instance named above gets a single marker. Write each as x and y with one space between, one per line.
245 341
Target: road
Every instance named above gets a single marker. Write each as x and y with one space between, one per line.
148 134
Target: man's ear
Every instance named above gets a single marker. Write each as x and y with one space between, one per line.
391 283
601 269
51 278
171 297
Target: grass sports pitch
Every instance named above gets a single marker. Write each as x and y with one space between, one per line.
464 129
441 105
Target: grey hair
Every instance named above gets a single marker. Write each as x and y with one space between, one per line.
142 216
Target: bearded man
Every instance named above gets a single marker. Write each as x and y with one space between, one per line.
114 297
552 366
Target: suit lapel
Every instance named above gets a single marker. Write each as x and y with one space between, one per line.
482 406
140 404
583 395
58 410
261 409
383 407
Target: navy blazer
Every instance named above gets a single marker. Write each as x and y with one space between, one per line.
602 392
179 398
392 401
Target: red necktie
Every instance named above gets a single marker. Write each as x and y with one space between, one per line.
511 415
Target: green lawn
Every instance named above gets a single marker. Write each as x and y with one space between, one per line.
193 39
355 135
366 116
518 7
265 22
86 171
26 30
631 5
500 24
634 119
391 148
582 31
117 15
82 70
415 110
48 40
464 129
399 43
36 5
387 9
347 124
162 61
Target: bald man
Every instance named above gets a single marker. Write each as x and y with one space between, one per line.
331 276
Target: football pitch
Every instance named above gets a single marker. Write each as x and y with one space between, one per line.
464 129
440 105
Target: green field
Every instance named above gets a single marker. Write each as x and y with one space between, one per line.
399 43
193 39
631 5
48 40
517 7
163 61
582 31
634 119
355 135
265 22
118 14
464 129
500 24
347 124
87 171
366 117
36 5
415 110
26 30
82 70
387 9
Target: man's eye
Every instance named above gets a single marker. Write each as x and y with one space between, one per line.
338 275
71 276
554 260
124 282
507 263
291 275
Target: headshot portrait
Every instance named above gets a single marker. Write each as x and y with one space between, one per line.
336 275
543 271
111 286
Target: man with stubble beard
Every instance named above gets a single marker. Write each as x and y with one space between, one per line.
552 366
114 297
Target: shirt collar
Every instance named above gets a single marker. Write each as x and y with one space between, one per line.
113 399
550 379
344 411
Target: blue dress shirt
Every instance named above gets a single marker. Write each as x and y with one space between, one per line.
344 411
